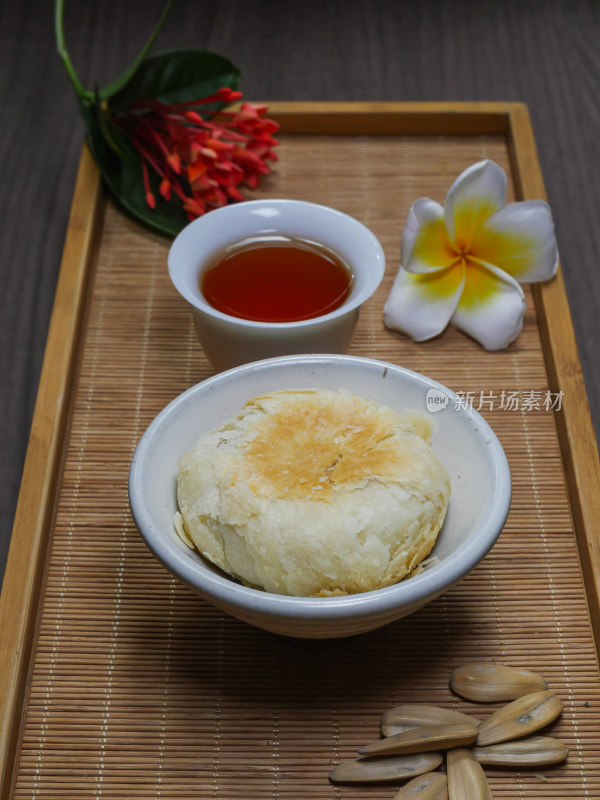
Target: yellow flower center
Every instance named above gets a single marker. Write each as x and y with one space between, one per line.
480 284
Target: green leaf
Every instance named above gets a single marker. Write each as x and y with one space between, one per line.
172 77
177 76
123 79
123 177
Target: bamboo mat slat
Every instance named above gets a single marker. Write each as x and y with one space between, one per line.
138 688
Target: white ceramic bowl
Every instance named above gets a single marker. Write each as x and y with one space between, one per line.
473 456
229 341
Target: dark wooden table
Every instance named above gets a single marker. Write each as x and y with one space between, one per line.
543 52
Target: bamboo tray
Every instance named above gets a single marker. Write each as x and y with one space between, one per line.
117 680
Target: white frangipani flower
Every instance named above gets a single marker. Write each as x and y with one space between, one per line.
462 262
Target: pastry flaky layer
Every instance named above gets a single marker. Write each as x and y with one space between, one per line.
314 493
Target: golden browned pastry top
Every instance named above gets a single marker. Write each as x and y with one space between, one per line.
311 446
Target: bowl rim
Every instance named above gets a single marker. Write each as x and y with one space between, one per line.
417 591
374 277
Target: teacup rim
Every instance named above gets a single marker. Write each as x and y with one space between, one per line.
200 304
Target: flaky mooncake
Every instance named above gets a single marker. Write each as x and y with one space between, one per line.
314 493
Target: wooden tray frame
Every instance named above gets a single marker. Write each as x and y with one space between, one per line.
45 454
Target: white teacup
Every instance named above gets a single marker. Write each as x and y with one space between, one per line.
229 341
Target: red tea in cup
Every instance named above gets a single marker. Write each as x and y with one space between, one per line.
276 279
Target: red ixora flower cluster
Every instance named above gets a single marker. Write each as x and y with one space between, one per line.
202 159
